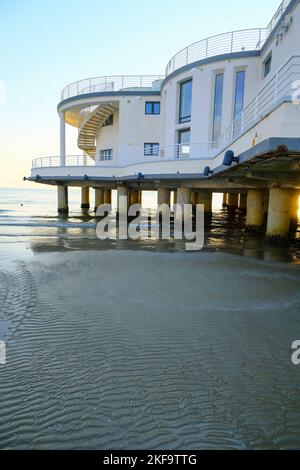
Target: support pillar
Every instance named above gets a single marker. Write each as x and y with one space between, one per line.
135 197
62 139
99 199
233 200
243 201
225 196
62 200
122 207
255 210
85 197
279 214
107 196
183 197
163 196
205 198
294 211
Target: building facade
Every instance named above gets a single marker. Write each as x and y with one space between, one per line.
235 95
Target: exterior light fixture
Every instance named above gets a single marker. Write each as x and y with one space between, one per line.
229 158
207 171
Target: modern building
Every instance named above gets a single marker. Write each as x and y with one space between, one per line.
225 117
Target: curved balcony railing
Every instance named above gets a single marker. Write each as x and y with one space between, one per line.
55 161
226 43
197 151
112 83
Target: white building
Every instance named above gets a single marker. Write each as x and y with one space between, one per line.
238 90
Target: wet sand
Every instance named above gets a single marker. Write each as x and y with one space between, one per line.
135 349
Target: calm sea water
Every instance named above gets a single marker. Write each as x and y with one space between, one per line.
126 345
29 224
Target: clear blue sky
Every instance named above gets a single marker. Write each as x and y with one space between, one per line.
46 44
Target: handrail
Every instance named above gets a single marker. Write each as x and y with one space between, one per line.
111 83
224 43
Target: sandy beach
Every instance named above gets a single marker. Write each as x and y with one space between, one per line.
133 349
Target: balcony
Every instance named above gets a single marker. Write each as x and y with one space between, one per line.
112 84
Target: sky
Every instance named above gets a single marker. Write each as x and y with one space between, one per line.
47 44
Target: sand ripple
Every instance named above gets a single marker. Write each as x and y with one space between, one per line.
144 350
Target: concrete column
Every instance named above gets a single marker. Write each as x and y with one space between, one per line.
174 197
99 199
255 210
243 201
134 197
206 199
279 213
232 200
107 196
62 199
183 197
85 197
140 193
62 139
225 196
294 210
163 196
122 208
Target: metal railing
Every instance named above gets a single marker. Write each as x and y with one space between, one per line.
226 43
55 161
112 83
279 13
233 41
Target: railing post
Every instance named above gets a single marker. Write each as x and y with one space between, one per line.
62 139
187 56
206 52
232 42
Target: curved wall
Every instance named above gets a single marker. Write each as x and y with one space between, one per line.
203 91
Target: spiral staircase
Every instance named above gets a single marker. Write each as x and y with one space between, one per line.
92 125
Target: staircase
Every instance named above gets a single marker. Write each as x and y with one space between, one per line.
92 125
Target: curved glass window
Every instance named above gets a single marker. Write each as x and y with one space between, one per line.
218 106
185 102
239 93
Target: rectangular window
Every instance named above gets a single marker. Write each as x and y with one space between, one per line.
109 121
151 149
185 101
239 93
152 107
106 154
183 147
238 102
267 65
218 106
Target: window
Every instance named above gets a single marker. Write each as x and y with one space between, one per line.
109 121
239 93
152 107
106 154
218 106
151 149
183 147
238 102
185 101
267 65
